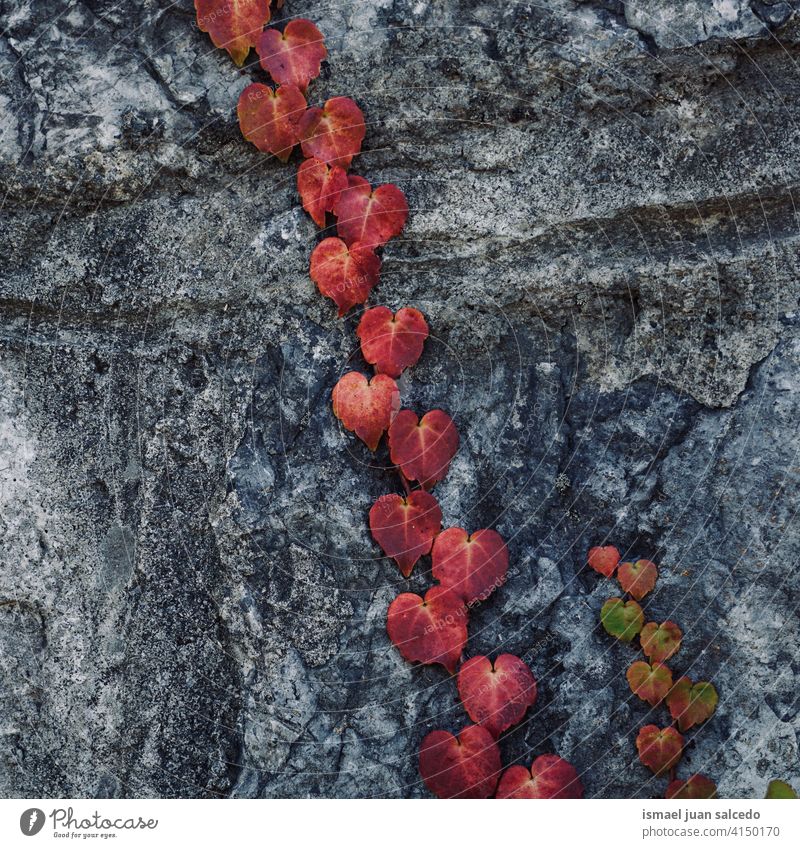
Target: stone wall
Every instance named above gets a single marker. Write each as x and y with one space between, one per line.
604 237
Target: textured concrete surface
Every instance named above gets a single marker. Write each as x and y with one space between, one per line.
605 239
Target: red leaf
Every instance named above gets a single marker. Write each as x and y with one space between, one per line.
549 777
370 217
319 186
691 704
660 641
604 560
405 527
333 134
392 342
344 274
292 57
233 25
269 118
637 578
423 448
366 406
433 630
697 786
472 566
496 695
659 749
466 766
650 682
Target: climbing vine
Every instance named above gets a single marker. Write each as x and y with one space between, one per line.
467 567
689 704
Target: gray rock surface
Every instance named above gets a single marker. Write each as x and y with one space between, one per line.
604 236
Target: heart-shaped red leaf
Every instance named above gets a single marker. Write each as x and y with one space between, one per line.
292 57
364 406
268 118
604 560
405 527
344 274
496 695
691 704
660 641
433 630
422 448
650 682
659 749
333 134
319 186
466 766
472 566
548 777
697 786
637 578
392 342
233 25
367 216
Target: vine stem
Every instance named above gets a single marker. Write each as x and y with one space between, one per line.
406 484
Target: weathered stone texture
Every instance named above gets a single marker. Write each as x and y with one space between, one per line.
604 236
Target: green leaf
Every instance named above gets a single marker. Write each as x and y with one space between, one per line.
621 620
780 789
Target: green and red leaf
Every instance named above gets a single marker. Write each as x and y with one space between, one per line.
466 766
690 704
650 682
234 25
697 786
604 559
319 185
660 641
392 342
334 133
370 216
429 630
344 274
471 566
496 694
268 118
659 748
294 56
637 578
620 619
548 777
364 406
405 527
423 448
